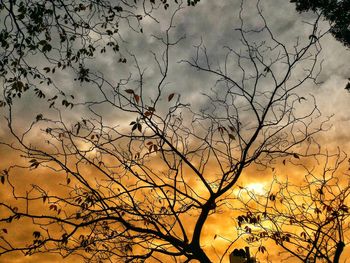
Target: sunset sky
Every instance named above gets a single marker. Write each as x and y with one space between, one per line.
214 24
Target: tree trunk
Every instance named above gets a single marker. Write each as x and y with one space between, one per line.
338 251
200 255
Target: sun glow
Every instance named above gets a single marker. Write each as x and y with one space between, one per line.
256 188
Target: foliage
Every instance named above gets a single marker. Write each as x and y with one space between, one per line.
66 34
336 12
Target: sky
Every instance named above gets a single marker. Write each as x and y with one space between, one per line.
214 24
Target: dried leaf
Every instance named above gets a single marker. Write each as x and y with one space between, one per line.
36 234
78 127
171 96
137 98
129 91
262 249
296 156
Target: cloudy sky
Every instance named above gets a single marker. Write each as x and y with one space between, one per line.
214 24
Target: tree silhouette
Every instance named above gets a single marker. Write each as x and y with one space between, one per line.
309 220
336 12
61 32
135 171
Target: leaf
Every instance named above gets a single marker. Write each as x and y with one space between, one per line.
78 127
262 249
231 136
284 162
53 98
2 178
39 93
129 91
68 180
2 103
39 117
139 127
36 234
4 230
34 163
137 98
46 48
344 208
171 96
317 211
347 87
301 99
296 156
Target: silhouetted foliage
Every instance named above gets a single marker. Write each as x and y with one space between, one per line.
66 34
335 11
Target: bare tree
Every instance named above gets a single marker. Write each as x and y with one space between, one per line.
309 220
141 185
